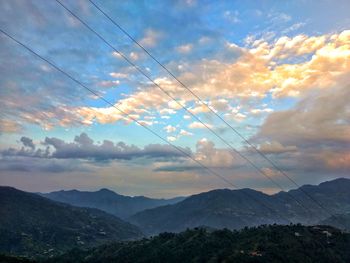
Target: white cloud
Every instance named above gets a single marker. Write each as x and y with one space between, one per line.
199 125
134 56
184 49
171 138
185 133
232 17
260 111
167 111
118 75
116 55
151 38
169 129
109 83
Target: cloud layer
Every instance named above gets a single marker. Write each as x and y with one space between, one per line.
286 67
83 147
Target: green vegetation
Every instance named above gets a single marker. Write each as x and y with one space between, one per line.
14 259
289 244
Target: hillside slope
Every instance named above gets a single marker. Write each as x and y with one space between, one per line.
235 209
265 244
33 225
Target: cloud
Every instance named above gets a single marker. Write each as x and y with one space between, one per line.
27 142
207 154
314 135
279 17
184 49
199 125
285 67
185 133
323 116
169 129
32 164
179 135
118 75
261 111
84 147
235 115
109 83
336 161
270 172
199 108
232 17
9 126
293 27
220 105
276 148
134 56
211 156
150 38
171 138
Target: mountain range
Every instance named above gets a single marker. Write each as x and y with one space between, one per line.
235 209
106 200
36 226
32 225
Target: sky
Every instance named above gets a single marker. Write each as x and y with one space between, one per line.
277 71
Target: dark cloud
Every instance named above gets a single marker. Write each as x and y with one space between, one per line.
33 164
84 147
27 142
83 139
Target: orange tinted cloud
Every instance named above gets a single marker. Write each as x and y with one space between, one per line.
286 67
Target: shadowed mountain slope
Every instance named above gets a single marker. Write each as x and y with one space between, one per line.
33 225
235 209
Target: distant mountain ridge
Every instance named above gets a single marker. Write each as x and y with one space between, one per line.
33 225
235 209
106 200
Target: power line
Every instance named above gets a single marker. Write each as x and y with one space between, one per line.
180 104
264 156
208 169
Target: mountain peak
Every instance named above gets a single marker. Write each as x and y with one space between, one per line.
106 190
340 180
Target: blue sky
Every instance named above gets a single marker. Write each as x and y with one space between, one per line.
265 66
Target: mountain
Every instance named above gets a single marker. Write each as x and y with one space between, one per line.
217 209
109 201
235 209
265 244
35 226
339 221
333 195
